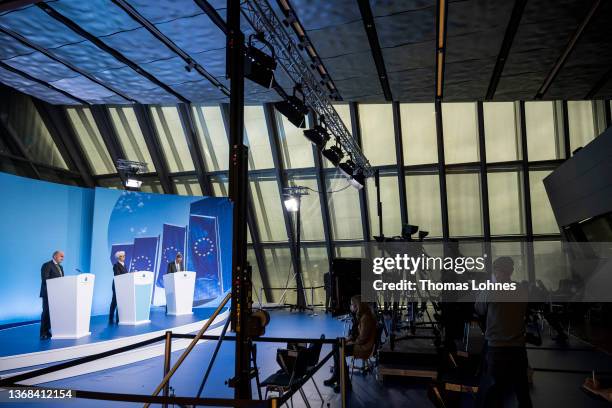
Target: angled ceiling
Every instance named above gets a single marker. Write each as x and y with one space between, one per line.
42 56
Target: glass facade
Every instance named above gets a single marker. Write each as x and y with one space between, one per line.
347 207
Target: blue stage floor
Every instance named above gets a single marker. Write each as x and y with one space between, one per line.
549 389
29 341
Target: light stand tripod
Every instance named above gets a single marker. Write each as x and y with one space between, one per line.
293 197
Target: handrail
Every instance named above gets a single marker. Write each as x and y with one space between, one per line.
189 348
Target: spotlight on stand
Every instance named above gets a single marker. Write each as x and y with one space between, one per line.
334 153
292 204
258 66
294 108
318 135
128 170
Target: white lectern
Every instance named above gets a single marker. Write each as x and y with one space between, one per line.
70 300
134 292
179 292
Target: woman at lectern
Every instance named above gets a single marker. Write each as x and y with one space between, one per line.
118 269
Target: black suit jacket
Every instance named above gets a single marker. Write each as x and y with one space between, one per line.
49 271
172 267
119 269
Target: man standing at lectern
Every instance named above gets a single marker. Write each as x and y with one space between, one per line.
118 269
176 265
49 270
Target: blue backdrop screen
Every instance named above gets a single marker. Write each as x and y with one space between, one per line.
90 226
37 218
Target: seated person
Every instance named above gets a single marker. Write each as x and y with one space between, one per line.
359 344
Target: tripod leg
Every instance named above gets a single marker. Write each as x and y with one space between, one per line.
254 358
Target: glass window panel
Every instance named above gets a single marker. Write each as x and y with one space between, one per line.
459 123
114 183
267 203
21 117
344 111
389 197
258 294
213 137
172 136
581 123
344 209
464 204
314 264
420 141
543 219
188 185
505 203
423 201
550 264
518 252
130 137
220 186
295 148
310 210
541 128
151 186
501 137
349 251
91 141
377 133
256 137
280 273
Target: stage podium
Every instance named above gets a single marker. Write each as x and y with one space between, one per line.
134 292
179 292
70 299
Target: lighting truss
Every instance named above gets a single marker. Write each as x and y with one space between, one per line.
262 18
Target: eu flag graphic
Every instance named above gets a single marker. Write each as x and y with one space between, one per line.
173 242
144 254
204 256
127 248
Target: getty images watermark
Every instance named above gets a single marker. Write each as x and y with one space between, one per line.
460 272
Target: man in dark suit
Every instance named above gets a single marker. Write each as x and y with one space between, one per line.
118 269
176 265
49 270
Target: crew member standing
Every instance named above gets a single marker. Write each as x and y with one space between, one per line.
49 270
118 269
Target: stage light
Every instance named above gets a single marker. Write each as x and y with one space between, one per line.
357 180
317 135
258 66
133 183
347 168
292 204
294 108
333 154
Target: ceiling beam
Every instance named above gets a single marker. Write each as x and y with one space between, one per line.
281 181
214 16
102 45
191 63
370 28
571 44
23 40
193 143
145 122
441 19
15 144
599 84
8 5
63 134
103 121
41 82
502 57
